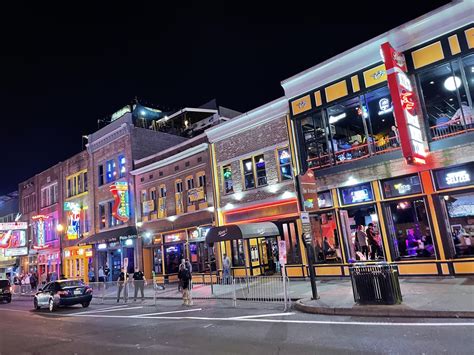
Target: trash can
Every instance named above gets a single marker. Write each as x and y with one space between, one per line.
375 283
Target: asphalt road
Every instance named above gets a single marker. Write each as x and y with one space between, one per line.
215 327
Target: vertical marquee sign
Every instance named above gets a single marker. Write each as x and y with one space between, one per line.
40 231
73 219
414 147
121 208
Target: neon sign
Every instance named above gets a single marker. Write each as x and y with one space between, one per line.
402 188
73 219
404 100
360 195
121 208
385 107
457 177
40 231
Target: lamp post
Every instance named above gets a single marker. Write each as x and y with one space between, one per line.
60 229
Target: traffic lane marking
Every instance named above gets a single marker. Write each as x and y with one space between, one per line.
288 321
264 315
111 310
168 312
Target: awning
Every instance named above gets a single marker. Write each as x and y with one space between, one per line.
109 236
242 231
7 263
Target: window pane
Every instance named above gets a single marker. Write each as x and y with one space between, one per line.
438 86
284 159
101 175
122 167
325 240
381 122
315 137
460 212
260 168
347 127
238 254
228 183
464 114
248 174
408 229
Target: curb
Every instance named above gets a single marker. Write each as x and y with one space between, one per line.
380 311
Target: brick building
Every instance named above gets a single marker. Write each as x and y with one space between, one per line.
40 206
175 207
402 165
111 151
76 218
255 183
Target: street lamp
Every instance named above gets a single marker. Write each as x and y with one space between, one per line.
60 229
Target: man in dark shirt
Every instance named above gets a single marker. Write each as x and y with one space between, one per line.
120 285
139 283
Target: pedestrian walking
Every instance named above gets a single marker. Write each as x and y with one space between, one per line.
121 284
33 281
184 276
106 272
180 267
226 266
139 282
361 237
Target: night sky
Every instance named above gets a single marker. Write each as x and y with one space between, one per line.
62 69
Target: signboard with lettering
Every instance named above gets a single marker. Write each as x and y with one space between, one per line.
406 185
356 194
148 206
454 177
309 191
404 101
196 194
40 231
121 208
282 252
13 226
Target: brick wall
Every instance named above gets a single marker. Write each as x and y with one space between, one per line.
264 139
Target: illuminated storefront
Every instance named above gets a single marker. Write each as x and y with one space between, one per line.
77 261
389 142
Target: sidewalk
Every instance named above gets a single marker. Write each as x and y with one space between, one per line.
429 297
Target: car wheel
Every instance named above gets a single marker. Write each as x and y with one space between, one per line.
51 305
35 303
86 304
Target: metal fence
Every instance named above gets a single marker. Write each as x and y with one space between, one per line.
257 289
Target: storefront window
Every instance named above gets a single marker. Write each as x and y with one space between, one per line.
260 169
248 174
459 209
228 182
238 254
408 229
157 261
407 185
444 92
325 199
284 160
325 239
292 243
102 216
348 129
361 246
173 256
468 65
381 122
315 139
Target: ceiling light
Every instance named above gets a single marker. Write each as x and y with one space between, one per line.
334 119
452 83
431 82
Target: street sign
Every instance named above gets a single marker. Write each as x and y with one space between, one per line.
282 252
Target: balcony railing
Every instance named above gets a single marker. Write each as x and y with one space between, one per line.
449 129
357 152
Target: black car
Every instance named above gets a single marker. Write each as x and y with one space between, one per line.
5 291
63 293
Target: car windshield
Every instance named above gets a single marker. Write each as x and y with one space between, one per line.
4 283
71 283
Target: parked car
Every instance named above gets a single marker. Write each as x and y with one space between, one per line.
5 291
63 293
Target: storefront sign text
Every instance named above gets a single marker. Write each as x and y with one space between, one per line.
414 148
73 219
13 226
457 177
